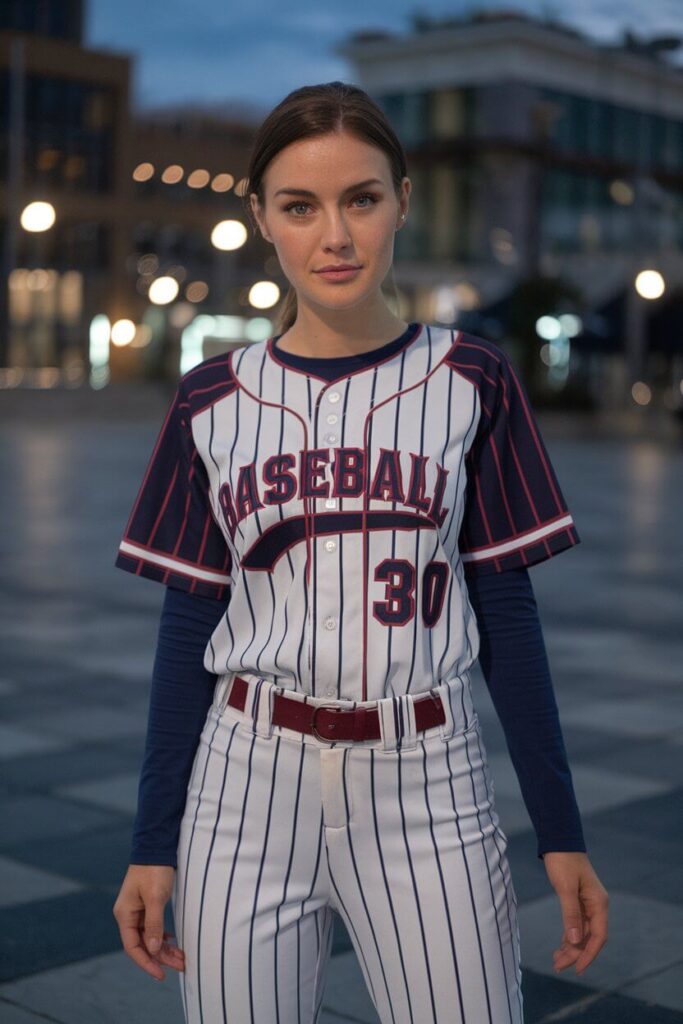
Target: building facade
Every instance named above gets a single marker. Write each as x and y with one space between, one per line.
135 198
532 151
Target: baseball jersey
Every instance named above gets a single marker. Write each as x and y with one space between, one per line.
342 516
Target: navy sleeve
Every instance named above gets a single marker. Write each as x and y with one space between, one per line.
181 694
516 514
173 534
515 666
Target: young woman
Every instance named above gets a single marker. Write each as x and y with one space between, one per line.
344 517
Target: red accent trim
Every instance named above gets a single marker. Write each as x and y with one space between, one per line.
164 504
279 405
183 525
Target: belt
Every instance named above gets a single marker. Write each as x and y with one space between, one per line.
337 723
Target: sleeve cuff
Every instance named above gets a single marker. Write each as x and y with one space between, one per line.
158 858
575 845
172 571
526 549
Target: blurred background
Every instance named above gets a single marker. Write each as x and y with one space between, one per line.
545 148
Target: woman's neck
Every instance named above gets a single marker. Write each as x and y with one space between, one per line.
321 342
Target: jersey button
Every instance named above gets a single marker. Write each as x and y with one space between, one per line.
330 623
334 396
330 545
332 418
331 438
330 692
330 502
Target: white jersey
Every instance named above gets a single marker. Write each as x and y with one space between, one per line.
338 519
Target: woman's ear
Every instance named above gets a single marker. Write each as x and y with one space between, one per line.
256 211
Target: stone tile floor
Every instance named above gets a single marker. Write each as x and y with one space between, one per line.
78 638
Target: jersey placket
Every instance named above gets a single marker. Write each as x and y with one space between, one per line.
327 579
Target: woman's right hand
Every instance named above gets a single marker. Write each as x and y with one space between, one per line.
139 913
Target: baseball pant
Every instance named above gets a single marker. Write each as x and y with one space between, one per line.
399 835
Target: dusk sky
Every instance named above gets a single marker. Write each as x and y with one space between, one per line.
216 52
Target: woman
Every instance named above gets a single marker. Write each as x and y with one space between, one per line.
344 517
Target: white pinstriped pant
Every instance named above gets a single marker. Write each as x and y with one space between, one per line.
399 835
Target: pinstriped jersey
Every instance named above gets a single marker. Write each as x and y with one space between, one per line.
340 519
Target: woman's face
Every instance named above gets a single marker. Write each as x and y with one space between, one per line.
331 200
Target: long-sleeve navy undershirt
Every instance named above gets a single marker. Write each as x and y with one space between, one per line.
514 665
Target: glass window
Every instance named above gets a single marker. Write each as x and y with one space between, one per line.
69 128
448 113
626 134
60 18
414 124
392 105
409 115
669 143
412 241
599 129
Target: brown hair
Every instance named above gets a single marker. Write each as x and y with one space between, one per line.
317 110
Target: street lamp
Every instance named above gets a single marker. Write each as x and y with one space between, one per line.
649 284
264 294
228 235
37 216
163 290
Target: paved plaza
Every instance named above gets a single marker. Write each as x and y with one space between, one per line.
78 639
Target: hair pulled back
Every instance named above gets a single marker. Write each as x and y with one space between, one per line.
310 111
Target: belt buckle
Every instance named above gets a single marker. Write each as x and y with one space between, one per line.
316 709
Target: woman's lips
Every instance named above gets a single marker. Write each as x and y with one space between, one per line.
339 275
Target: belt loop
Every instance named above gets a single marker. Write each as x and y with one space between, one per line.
447 728
397 722
222 692
259 708
458 703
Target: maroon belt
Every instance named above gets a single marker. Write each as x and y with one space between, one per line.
337 723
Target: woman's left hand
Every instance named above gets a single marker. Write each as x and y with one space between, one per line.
584 902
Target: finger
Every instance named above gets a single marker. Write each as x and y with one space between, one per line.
170 953
171 956
171 947
577 946
568 953
154 925
564 958
572 920
175 963
170 940
573 925
133 946
595 944
597 939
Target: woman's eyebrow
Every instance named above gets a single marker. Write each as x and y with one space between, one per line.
307 192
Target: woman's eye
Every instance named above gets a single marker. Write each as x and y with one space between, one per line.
293 206
362 195
368 195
